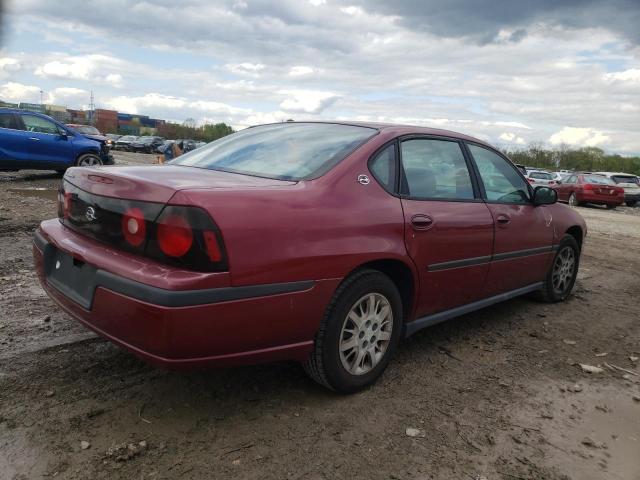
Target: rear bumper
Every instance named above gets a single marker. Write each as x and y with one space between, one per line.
601 199
213 327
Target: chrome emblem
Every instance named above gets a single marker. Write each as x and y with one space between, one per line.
90 214
363 179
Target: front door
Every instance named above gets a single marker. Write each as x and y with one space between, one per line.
47 146
448 228
523 242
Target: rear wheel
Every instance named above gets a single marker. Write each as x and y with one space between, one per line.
631 203
88 160
563 272
610 207
573 200
359 333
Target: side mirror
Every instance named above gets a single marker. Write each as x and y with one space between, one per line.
544 196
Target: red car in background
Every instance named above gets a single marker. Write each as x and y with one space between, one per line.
324 243
580 188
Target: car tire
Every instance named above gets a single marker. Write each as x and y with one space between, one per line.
331 357
88 160
573 200
631 203
610 207
61 171
563 272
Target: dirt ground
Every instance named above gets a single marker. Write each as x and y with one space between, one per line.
497 394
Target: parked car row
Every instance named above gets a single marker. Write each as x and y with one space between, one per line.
576 188
153 144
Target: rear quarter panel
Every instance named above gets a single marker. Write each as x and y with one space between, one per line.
317 229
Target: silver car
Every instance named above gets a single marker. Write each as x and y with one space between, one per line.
630 184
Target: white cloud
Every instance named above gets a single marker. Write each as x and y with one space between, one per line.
245 68
300 70
307 101
352 10
8 66
511 138
17 92
317 3
583 137
128 104
632 76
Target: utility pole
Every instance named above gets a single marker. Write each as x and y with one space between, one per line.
92 109
41 94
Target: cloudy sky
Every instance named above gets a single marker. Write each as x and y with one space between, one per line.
511 72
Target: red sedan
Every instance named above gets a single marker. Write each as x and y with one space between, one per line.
324 243
578 189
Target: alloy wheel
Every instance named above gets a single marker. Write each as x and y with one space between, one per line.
563 270
89 161
366 333
573 201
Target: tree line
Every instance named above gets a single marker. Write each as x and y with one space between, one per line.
206 133
590 159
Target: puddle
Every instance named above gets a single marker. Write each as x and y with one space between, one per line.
590 435
48 193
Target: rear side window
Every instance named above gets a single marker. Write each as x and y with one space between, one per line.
501 181
39 125
287 151
570 179
7 120
383 167
435 169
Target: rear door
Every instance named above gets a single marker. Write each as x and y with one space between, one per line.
13 142
47 146
448 228
523 232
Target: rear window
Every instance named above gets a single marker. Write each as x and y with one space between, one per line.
287 151
624 179
597 179
541 175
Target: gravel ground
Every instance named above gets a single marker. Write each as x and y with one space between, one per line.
497 394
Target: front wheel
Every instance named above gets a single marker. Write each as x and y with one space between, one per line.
611 207
359 333
563 272
631 203
88 160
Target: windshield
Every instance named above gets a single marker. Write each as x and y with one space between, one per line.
597 179
288 151
624 179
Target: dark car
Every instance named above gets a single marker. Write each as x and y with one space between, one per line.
124 142
323 243
578 189
186 145
146 144
111 139
35 141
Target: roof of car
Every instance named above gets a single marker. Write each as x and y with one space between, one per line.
400 129
611 174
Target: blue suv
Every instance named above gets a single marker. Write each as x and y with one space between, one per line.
35 141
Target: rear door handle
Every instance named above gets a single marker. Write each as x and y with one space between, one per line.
421 222
503 220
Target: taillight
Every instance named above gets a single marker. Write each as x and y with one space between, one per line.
175 236
187 237
134 227
587 186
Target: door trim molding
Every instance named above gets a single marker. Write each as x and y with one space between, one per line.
433 319
468 262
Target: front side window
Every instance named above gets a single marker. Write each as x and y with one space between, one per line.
287 151
39 125
501 181
435 169
383 167
570 179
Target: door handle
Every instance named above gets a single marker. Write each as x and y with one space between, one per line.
503 220
421 222
34 138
